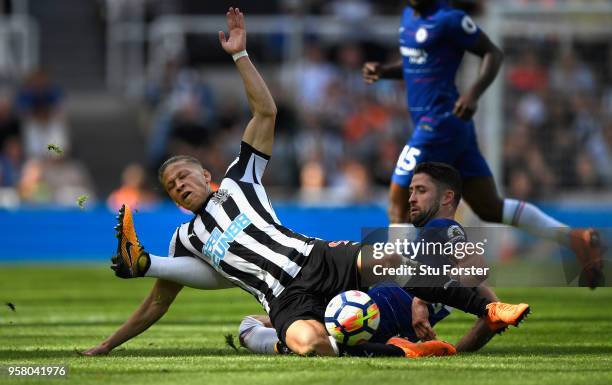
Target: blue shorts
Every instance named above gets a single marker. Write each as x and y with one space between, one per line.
395 306
449 140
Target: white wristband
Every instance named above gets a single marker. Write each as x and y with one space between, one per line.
240 54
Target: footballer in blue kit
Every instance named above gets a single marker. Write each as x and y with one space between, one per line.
432 48
395 303
433 38
402 314
395 307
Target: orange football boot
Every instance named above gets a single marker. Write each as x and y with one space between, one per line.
423 349
131 260
500 315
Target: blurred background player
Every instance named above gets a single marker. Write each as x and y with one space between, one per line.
433 40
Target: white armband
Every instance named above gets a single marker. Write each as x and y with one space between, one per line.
240 54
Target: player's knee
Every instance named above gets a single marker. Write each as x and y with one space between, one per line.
305 340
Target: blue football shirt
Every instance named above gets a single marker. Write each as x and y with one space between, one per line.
395 303
432 47
395 307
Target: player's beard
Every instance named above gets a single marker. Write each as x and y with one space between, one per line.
425 216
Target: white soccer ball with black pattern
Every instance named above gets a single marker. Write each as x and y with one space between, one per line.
352 317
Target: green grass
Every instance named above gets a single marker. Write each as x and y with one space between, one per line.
567 339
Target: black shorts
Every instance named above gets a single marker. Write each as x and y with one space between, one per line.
330 269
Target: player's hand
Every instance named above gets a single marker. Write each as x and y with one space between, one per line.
236 41
420 321
371 72
97 351
465 106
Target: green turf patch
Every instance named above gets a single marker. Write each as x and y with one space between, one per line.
567 339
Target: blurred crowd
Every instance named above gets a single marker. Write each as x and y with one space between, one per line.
36 163
337 138
558 133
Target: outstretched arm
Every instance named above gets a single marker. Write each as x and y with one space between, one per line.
492 58
150 311
259 133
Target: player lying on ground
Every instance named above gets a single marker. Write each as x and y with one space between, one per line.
401 315
433 38
236 232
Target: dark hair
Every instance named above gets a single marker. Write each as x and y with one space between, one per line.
443 175
174 159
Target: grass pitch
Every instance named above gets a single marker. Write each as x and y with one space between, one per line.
567 339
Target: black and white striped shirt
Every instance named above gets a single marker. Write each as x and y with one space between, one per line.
238 234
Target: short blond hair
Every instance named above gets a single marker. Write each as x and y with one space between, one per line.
174 159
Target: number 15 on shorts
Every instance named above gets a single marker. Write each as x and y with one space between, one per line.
407 160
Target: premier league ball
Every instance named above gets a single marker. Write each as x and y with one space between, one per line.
352 317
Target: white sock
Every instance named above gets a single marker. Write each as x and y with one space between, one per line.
334 345
527 217
256 337
187 271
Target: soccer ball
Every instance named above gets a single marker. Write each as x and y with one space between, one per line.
352 317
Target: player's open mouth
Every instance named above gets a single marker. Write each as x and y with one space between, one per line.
185 195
